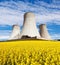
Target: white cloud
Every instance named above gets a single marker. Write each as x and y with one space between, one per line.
48 18
55 36
4 38
8 16
12 12
54 4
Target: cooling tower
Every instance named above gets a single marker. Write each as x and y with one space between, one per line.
44 32
15 32
29 26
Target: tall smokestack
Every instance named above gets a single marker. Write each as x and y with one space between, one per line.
15 32
44 32
29 26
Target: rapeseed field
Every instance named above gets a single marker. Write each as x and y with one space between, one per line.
30 52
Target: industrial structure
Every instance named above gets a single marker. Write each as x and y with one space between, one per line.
29 26
15 32
29 30
44 32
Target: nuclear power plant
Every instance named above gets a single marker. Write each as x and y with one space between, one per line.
29 26
15 32
29 30
44 32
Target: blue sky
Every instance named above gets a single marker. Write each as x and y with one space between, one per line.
46 11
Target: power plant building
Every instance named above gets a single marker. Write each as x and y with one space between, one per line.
29 26
44 32
15 32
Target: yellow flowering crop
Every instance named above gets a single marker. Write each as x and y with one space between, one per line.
31 52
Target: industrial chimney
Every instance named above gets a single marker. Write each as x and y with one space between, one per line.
29 26
15 32
44 32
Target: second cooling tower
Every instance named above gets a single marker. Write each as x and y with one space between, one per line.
29 26
15 32
44 32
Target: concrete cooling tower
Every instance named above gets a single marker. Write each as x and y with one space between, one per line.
15 32
29 26
44 32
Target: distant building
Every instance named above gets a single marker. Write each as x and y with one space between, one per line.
15 32
29 30
44 32
29 26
